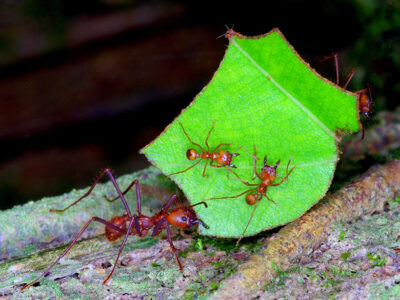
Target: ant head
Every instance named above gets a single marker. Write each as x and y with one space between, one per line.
184 217
232 166
269 172
191 154
235 154
251 199
365 101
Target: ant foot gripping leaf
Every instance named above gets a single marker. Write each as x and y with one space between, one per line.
263 94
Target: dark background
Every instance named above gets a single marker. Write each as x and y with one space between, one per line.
85 85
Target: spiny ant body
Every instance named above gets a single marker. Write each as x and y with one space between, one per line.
267 177
222 158
365 104
128 224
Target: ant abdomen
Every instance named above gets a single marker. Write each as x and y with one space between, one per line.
119 222
251 199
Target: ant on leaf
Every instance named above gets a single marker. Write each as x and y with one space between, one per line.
222 158
129 224
365 104
259 190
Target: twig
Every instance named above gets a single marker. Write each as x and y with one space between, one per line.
365 195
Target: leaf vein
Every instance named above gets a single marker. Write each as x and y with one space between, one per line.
290 96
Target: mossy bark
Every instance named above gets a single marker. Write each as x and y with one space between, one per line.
364 196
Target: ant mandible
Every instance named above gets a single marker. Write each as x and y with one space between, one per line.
365 104
267 176
180 216
223 158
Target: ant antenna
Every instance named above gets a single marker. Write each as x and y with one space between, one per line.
201 223
228 33
202 202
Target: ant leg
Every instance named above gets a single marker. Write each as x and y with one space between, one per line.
172 246
255 158
205 167
208 135
112 178
335 58
132 221
112 226
348 78
158 228
287 175
227 167
184 131
124 192
174 198
287 167
235 152
244 181
247 152
220 145
229 197
248 223
187 169
84 196
360 91
363 132
268 198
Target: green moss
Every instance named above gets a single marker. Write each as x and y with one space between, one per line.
342 234
345 255
141 243
213 286
376 260
381 291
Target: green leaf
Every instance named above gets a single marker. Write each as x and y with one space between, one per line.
263 94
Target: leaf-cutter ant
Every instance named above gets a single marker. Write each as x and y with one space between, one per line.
365 104
128 224
267 177
222 158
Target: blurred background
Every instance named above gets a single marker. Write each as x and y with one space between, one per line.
84 85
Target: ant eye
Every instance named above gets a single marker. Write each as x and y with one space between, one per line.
184 219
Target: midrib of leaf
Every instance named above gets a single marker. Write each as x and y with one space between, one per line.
290 96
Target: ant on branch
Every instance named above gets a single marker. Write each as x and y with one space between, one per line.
365 104
128 224
267 176
222 158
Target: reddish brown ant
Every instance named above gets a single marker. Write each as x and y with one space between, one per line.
364 95
223 158
267 176
229 33
180 216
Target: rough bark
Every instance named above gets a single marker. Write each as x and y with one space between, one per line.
365 195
